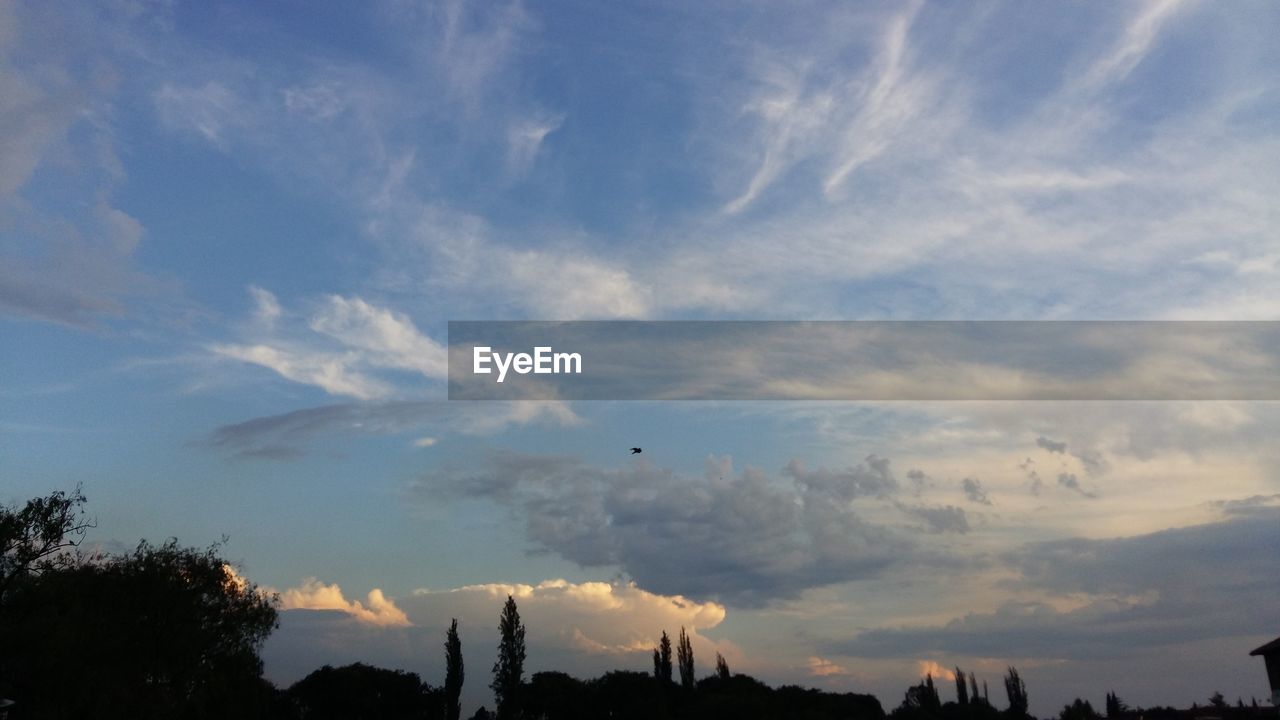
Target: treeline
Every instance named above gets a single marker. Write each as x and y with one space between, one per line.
166 632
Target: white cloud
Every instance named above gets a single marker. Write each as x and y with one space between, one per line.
615 619
266 309
1135 42
388 339
344 348
332 372
525 138
822 667
377 608
209 110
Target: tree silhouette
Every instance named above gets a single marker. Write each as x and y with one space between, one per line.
962 688
663 672
1078 710
35 538
363 692
973 689
1017 692
923 697
684 654
454 674
722 667
164 631
508 671
1115 706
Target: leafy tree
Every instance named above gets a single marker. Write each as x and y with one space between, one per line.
508 671
973 689
556 695
454 673
363 692
39 537
923 697
164 631
1016 690
962 688
722 667
1078 710
684 654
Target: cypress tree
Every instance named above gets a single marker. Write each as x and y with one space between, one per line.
508 671
664 658
453 673
684 654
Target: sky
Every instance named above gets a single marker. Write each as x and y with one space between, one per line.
232 234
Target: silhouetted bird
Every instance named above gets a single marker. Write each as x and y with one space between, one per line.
635 451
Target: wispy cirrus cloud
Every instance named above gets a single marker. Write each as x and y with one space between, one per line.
67 247
290 435
341 346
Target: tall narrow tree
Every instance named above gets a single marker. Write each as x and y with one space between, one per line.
1016 689
684 654
974 697
664 658
962 688
722 667
508 671
453 673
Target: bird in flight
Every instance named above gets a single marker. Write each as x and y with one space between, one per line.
635 451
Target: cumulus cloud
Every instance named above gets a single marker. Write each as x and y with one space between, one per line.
744 539
583 628
931 667
822 667
595 617
377 609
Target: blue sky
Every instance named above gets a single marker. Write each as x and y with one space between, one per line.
231 236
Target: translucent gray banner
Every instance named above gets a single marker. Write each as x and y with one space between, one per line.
873 360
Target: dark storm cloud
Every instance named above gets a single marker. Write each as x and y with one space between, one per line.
744 539
1153 590
974 491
